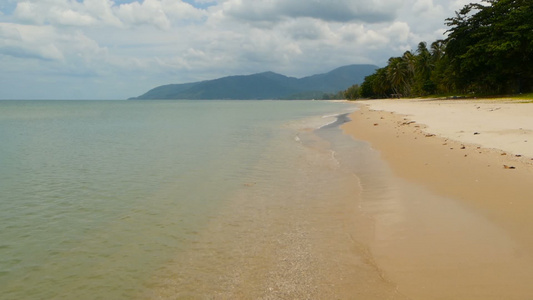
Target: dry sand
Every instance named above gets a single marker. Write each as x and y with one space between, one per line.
500 124
468 232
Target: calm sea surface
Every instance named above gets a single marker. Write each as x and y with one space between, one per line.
97 197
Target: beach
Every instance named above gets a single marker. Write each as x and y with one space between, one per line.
458 225
264 200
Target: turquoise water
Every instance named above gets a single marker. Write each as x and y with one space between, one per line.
97 196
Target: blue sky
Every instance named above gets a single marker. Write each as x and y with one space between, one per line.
115 49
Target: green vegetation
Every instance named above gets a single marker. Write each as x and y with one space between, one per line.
352 93
488 51
524 96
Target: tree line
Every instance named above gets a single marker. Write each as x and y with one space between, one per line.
488 50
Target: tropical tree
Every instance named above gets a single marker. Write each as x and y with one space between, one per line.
397 74
382 86
352 92
376 85
423 66
367 87
441 77
490 47
409 64
437 50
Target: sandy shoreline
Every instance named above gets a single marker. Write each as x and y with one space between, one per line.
427 141
399 213
476 155
499 124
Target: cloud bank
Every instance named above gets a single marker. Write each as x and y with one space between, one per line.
117 49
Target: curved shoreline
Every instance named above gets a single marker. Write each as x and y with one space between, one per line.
492 186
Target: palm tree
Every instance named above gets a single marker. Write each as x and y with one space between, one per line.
424 67
397 74
382 84
423 61
437 50
409 64
440 75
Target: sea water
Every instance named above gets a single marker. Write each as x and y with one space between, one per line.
140 199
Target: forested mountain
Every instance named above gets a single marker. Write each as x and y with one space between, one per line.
267 85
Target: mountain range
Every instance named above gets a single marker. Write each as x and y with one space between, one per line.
267 85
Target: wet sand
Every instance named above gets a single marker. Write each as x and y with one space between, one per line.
455 221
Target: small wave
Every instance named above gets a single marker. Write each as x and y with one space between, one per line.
334 158
332 118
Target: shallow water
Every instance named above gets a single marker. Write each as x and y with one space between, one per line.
284 235
103 199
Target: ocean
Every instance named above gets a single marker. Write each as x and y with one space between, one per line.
175 199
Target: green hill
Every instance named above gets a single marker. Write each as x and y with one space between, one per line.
267 85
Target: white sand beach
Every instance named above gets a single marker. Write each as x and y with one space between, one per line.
500 124
467 233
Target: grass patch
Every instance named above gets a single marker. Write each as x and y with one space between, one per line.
524 97
485 96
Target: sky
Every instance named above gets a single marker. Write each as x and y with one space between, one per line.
116 49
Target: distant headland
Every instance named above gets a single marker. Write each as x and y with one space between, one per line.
267 85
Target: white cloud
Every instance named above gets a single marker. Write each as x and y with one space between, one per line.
158 13
422 6
54 12
123 48
25 41
182 10
306 29
333 10
61 52
149 12
101 10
